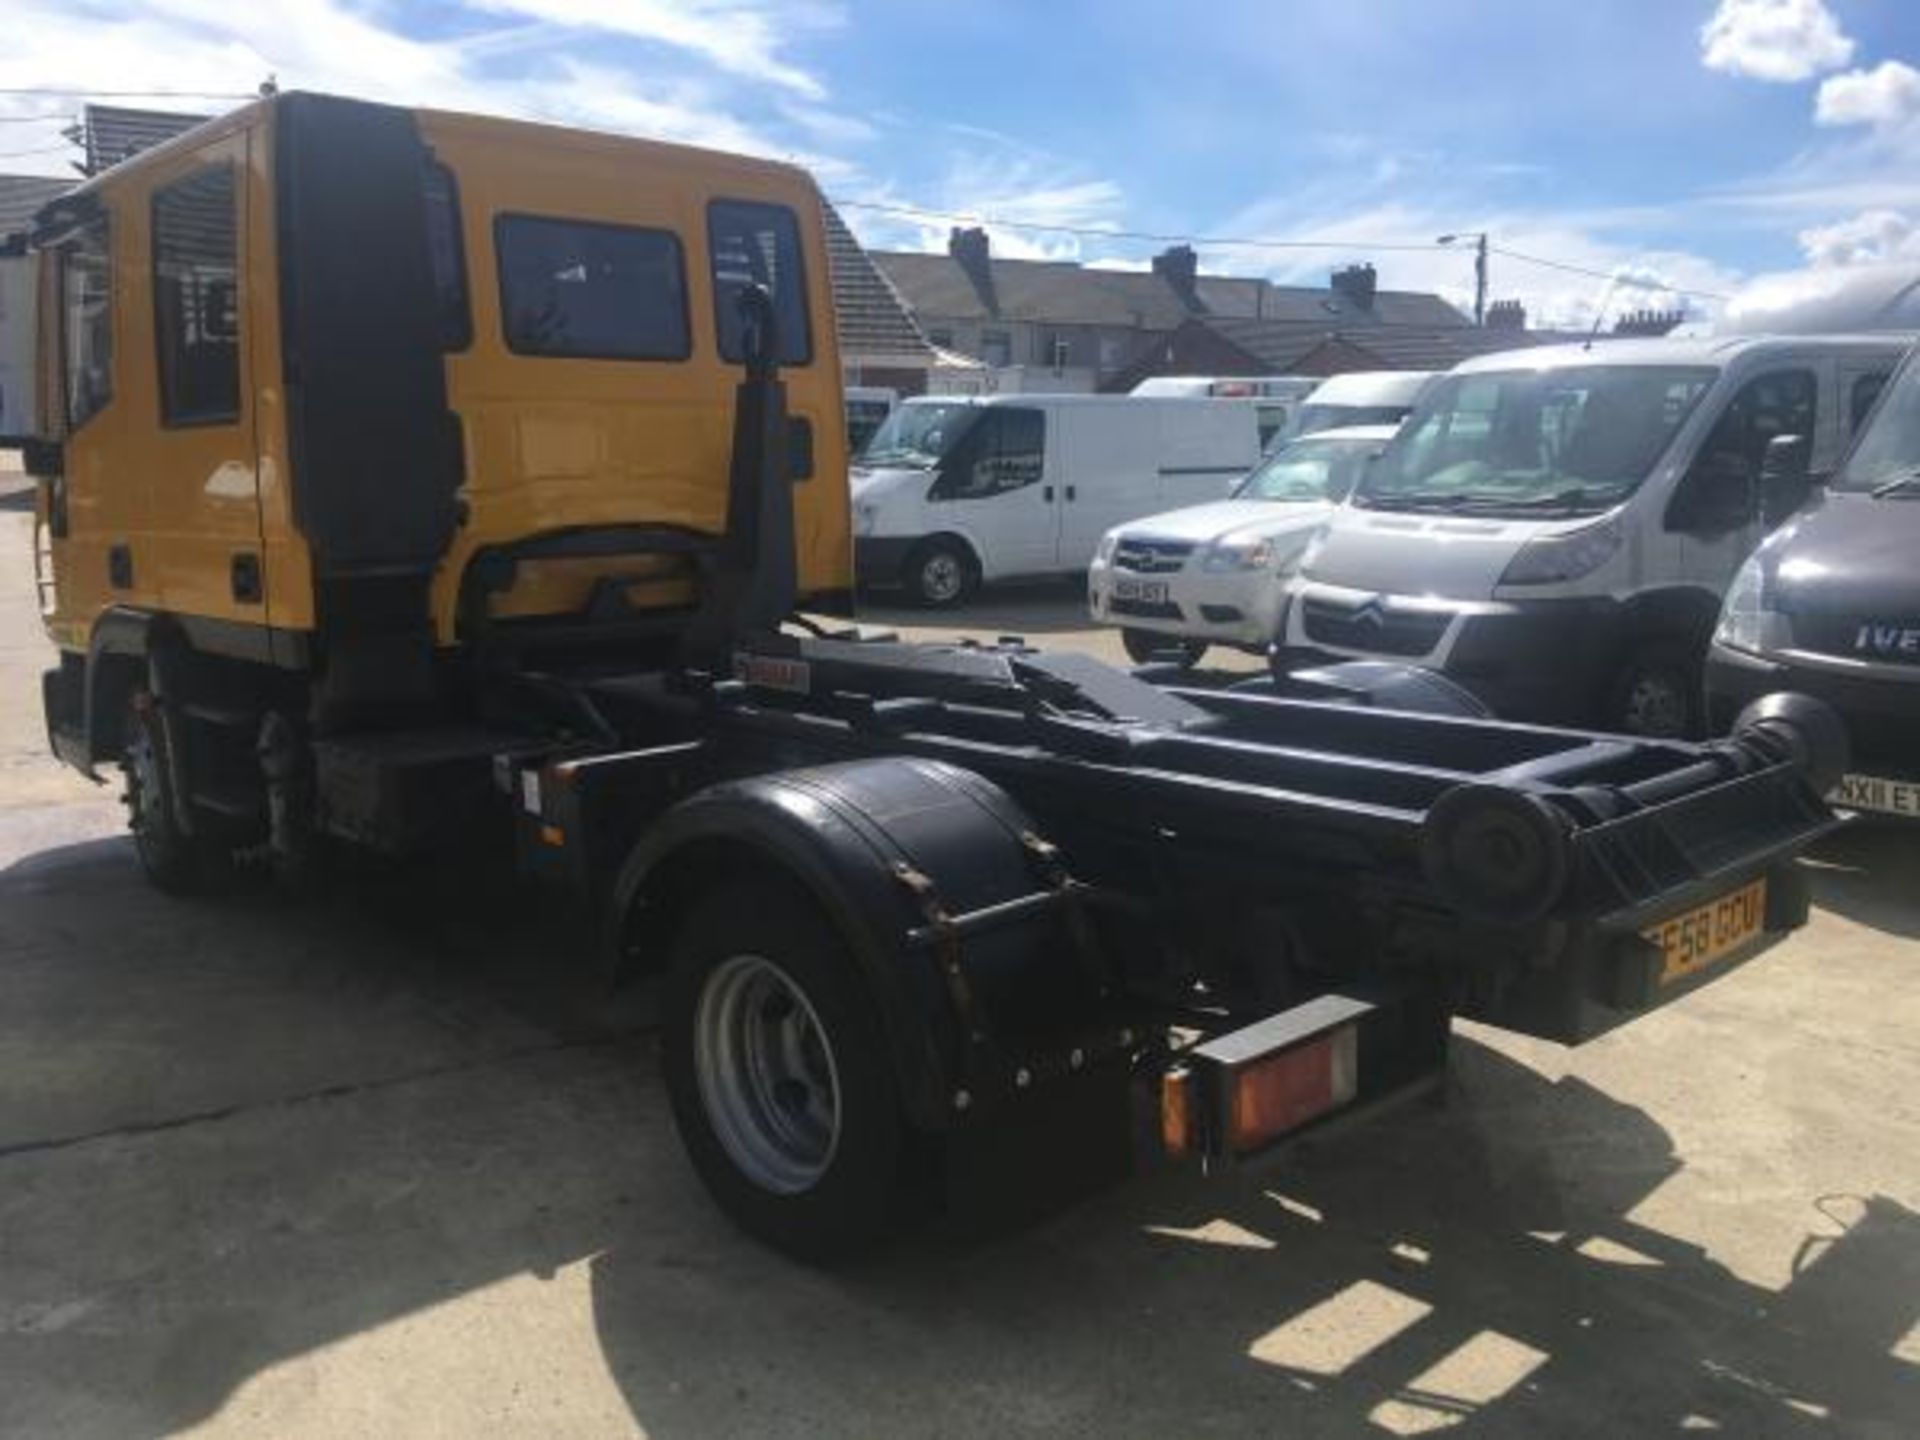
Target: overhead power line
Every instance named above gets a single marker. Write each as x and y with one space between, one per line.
36 119
45 150
917 212
1099 232
83 92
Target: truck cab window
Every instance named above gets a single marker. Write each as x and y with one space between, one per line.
1005 451
86 323
591 291
196 299
447 254
754 244
1866 390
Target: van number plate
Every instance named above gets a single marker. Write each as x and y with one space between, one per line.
1882 797
1149 592
1692 941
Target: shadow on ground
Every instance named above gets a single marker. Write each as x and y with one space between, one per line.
1053 607
234 1133
1869 871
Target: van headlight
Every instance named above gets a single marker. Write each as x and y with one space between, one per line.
1110 541
1237 555
1748 620
864 512
1550 560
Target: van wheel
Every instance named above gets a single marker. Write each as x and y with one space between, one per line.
1657 693
941 574
176 860
1146 646
780 1083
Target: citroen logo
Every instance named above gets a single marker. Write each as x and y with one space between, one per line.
1370 612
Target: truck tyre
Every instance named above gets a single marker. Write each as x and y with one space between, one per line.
176 861
1657 693
940 574
1146 646
778 1074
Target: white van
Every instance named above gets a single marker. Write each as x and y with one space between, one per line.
1364 397
1275 397
1554 528
1217 574
951 493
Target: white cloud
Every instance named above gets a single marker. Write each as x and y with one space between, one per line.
741 37
1774 39
1868 238
709 89
1885 97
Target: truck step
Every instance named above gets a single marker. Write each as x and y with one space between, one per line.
210 712
231 802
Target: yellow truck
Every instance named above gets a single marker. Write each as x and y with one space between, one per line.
421 482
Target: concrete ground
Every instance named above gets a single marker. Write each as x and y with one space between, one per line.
381 1161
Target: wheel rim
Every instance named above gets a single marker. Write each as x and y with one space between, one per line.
766 1073
941 577
1655 707
146 801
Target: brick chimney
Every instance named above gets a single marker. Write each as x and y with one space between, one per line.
970 247
1506 315
1180 268
1357 284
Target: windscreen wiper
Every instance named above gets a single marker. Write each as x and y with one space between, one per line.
1907 484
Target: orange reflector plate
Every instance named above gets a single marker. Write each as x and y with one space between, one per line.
1282 1092
1176 1112
552 835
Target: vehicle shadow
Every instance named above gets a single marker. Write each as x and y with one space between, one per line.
237 1133
1050 607
1473 1269
1869 872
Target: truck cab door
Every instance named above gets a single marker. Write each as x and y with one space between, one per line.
200 456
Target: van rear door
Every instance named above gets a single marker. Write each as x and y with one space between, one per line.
1204 448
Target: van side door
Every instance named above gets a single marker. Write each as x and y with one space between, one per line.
996 489
1714 514
199 451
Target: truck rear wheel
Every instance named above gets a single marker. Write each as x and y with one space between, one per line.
176 859
778 1074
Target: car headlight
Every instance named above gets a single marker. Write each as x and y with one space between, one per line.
1238 555
1748 620
1104 553
1549 560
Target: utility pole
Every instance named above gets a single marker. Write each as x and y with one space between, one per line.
1479 239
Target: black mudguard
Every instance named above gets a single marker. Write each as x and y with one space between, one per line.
950 904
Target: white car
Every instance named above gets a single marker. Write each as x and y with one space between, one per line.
1217 574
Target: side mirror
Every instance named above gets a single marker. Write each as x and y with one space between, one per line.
1784 479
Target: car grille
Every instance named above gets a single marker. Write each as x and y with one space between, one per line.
1840 635
1146 609
1370 626
1151 557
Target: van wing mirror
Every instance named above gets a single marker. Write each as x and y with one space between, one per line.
1785 480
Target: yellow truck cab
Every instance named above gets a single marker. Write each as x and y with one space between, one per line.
435 485
312 370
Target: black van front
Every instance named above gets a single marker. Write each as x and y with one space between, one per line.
1830 606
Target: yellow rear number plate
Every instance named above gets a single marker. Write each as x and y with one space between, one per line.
1691 942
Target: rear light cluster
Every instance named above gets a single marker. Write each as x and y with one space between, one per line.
1258 1100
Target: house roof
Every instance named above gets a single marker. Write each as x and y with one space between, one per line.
1280 344
21 196
110 133
937 286
872 320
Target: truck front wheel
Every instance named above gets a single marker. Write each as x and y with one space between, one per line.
779 1080
176 859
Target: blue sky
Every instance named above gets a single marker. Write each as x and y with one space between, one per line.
1704 145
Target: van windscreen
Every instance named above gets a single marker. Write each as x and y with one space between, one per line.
1886 458
1570 441
919 434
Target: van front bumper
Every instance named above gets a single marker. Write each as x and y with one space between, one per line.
1243 608
880 559
1882 713
1542 661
